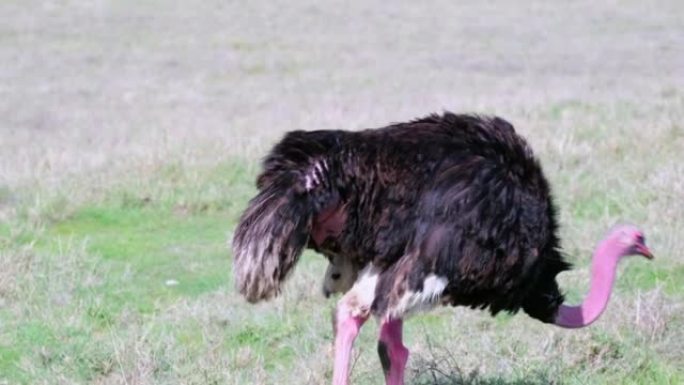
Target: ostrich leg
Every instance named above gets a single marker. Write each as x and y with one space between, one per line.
393 354
347 327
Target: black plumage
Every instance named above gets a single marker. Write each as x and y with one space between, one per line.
457 196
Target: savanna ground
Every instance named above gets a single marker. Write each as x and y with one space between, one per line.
131 133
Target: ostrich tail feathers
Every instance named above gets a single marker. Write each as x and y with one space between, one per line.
268 240
296 183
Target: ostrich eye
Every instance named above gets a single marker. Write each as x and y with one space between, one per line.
640 239
336 276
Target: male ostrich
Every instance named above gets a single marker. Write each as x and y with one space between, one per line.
450 209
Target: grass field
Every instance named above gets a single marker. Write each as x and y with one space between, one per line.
131 135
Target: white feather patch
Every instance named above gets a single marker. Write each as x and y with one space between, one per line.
412 302
360 297
315 174
308 184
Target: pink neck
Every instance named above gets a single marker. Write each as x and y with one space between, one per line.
603 270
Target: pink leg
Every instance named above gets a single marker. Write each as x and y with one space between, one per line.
393 354
347 328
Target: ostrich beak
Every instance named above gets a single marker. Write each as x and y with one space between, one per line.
641 249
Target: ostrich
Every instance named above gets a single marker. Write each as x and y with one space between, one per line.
444 210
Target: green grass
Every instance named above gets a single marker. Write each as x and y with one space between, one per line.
153 245
124 256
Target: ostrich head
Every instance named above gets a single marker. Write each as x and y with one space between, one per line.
625 240
622 241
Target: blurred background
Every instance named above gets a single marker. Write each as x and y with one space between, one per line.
131 133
